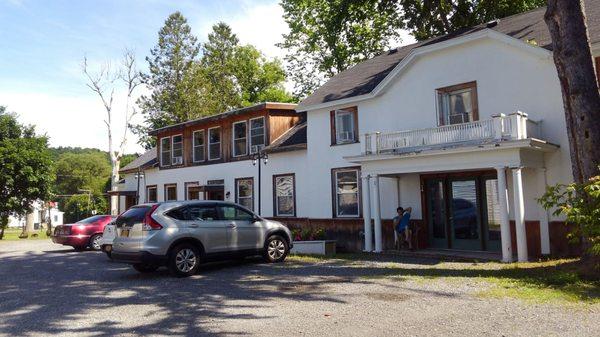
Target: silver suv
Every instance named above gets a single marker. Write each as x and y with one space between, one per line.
181 235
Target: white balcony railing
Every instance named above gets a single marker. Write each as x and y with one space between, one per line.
500 127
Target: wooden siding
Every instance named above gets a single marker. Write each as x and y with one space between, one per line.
277 122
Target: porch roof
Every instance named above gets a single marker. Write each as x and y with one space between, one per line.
513 153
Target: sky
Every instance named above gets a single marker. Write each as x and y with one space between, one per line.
43 43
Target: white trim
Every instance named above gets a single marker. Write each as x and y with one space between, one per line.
233 139
420 51
220 142
237 192
194 145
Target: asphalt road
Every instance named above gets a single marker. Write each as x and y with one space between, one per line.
46 289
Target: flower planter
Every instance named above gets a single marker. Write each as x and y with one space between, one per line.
316 247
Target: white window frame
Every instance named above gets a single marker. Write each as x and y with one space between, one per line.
233 139
162 150
209 143
264 133
337 213
173 149
148 188
293 195
337 128
194 146
237 191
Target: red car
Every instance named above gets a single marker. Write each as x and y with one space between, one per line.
82 234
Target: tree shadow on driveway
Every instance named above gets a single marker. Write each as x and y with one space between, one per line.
83 293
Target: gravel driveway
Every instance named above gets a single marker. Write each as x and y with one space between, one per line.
46 289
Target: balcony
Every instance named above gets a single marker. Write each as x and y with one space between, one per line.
515 126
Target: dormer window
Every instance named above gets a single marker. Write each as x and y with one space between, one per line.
165 151
177 145
240 139
214 143
344 125
457 104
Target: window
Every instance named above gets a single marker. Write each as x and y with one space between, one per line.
177 148
198 146
257 134
234 213
346 192
151 194
344 126
201 213
240 139
244 194
457 104
214 143
165 151
284 195
192 191
171 192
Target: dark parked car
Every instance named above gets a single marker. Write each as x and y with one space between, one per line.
82 234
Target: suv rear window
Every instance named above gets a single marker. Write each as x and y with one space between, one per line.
132 216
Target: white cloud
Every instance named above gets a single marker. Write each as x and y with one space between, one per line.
68 120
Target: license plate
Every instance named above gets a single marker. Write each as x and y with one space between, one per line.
125 232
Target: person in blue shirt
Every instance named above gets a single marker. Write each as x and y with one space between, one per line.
402 224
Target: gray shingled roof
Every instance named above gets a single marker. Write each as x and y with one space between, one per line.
365 76
148 159
293 139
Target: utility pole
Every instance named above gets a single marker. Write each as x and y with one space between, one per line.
256 159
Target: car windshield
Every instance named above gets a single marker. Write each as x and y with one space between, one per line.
132 216
91 219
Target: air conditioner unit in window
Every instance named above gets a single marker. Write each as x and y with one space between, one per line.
256 148
346 136
177 160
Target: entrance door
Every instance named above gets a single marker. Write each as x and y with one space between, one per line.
462 211
465 224
436 213
215 195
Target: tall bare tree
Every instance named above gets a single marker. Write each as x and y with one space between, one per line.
571 47
104 83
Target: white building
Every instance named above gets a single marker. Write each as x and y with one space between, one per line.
466 129
40 215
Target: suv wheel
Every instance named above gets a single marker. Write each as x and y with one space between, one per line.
95 241
276 249
145 268
184 260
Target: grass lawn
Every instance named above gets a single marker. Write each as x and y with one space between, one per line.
13 234
553 281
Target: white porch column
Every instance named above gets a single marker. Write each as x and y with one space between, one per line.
377 215
519 214
505 238
544 228
366 204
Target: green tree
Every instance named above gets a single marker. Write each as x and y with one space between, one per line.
235 75
429 18
168 63
580 204
25 168
82 171
329 36
81 206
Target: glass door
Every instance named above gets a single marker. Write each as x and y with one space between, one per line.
436 213
491 214
465 224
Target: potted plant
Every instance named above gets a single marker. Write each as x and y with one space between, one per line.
312 241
